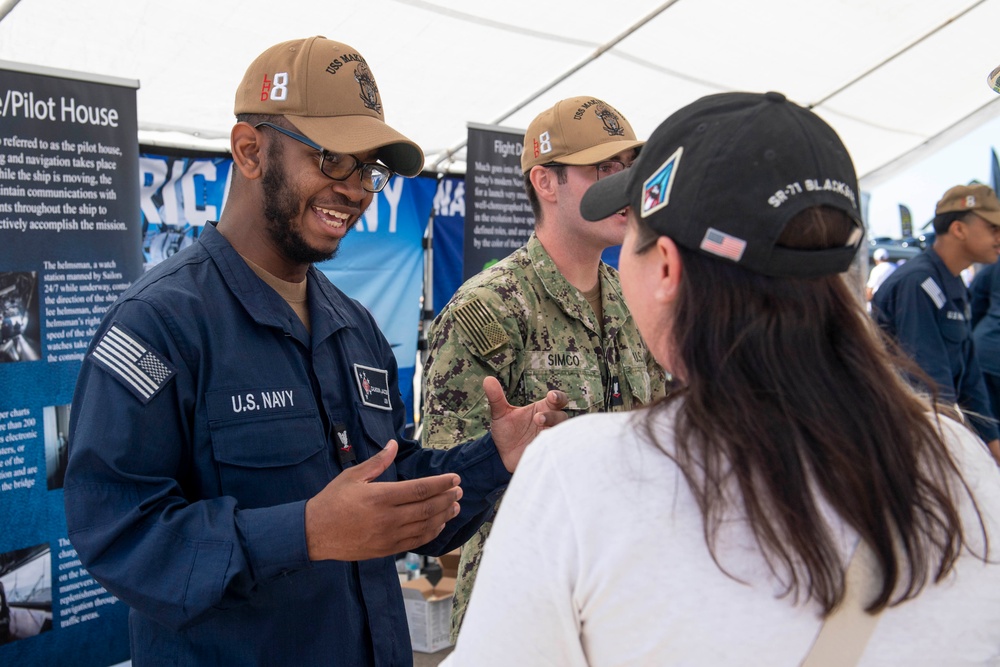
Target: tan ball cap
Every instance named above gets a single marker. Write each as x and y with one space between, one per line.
578 130
979 199
327 91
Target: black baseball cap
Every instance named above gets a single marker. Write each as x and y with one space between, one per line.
726 173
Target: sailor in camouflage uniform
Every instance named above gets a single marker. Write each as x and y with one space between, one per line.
551 314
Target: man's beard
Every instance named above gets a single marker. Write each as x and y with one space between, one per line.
281 207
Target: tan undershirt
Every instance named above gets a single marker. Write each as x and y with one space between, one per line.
593 297
294 294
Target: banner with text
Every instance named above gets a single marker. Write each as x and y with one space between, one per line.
498 217
69 245
177 196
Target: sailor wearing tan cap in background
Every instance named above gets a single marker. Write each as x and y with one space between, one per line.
551 314
924 304
235 408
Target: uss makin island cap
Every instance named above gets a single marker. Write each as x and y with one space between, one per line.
327 91
726 173
576 131
980 199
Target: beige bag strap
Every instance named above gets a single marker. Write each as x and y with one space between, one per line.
846 631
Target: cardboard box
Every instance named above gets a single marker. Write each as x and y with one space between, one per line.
428 613
449 563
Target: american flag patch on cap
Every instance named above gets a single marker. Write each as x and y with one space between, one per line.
723 245
130 361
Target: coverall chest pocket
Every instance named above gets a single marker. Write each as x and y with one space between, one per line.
583 386
377 428
267 455
637 377
953 330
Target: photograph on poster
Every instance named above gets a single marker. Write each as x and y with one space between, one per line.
56 421
25 593
20 333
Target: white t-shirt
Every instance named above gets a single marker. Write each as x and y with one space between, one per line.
598 557
878 274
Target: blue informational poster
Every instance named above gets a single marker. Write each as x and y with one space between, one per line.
69 245
499 219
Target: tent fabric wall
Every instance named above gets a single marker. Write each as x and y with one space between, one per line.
892 76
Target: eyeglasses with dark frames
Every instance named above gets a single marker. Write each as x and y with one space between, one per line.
606 168
341 166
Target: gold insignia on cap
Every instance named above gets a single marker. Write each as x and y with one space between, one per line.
481 325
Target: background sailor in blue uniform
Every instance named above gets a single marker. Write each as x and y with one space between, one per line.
233 462
985 290
924 304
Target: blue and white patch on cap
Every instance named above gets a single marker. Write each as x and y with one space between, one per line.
656 188
130 360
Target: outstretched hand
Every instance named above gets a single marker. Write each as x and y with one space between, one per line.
513 428
356 518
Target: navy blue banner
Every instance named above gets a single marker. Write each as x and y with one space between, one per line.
499 218
69 245
448 239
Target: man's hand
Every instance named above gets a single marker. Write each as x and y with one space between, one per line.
355 518
513 428
994 446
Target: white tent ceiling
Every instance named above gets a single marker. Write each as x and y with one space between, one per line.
894 77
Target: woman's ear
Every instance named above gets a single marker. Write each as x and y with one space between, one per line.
670 269
244 141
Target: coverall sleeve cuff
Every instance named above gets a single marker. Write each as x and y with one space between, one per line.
492 476
275 538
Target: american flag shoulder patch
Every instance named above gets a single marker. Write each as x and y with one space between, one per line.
934 292
131 361
480 324
723 245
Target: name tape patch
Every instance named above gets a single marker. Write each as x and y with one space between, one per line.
373 386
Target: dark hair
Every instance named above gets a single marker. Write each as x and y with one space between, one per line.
529 189
787 388
257 118
274 149
942 221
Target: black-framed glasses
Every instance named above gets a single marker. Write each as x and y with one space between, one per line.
606 168
341 166
610 168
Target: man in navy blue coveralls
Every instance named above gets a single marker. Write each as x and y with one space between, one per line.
924 304
234 475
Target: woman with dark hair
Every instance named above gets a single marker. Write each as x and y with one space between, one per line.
791 466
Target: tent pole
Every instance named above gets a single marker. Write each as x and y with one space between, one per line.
426 313
598 52
895 55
